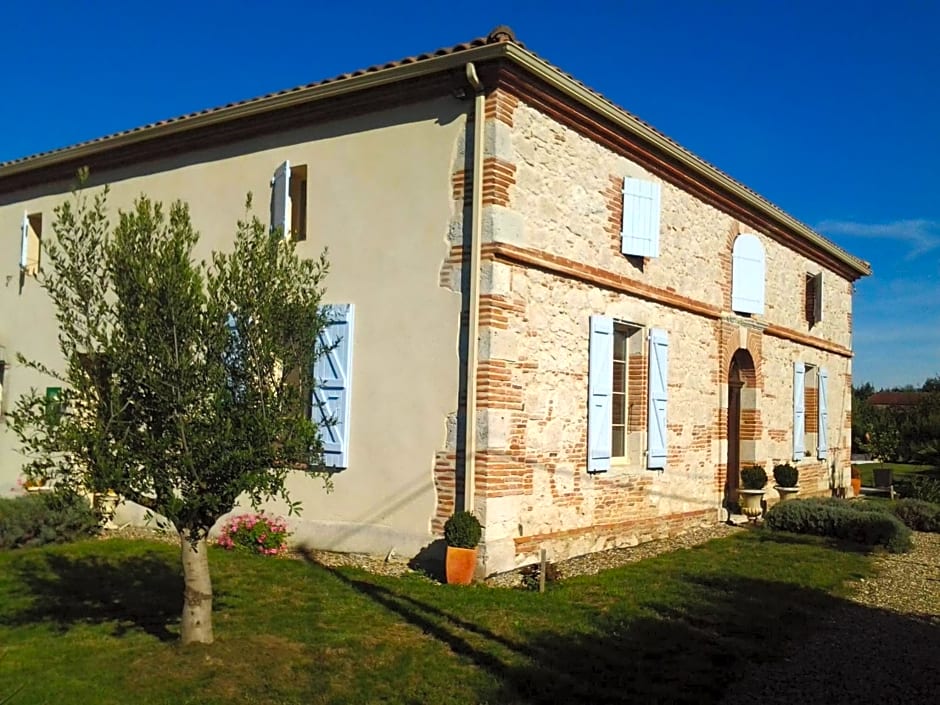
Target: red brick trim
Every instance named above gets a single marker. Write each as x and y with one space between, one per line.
575 116
570 269
501 106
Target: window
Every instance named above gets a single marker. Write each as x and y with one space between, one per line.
31 244
813 299
298 200
747 275
639 233
810 411
627 394
289 201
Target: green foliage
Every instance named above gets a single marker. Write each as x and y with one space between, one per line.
258 533
46 517
918 515
920 487
753 477
841 520
462 530
163 401
786 475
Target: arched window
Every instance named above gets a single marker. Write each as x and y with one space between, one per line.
747 275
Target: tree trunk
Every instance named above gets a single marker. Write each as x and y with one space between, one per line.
196 625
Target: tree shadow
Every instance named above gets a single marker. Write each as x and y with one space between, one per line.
134 593
726 639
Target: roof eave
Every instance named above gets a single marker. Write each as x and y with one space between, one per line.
541 69
564 83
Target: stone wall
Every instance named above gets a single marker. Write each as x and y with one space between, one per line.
551 259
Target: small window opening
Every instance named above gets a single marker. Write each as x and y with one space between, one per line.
298 200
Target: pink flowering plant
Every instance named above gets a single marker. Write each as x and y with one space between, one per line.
258 533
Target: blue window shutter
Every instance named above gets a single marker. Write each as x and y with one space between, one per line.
639 234
799 410
24 242
658 396
747 275
600 393
823 413
280 200
332 385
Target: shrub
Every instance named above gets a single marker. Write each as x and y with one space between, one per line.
919 487
841 520
462 530
785 475
48 517
918 515
530 575
257 533
753 477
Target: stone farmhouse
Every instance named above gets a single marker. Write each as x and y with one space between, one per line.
642 325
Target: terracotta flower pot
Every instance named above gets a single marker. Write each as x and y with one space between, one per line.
857 486
460 565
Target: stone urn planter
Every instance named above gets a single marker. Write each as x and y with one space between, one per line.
787 478
751 494
462 532
751 503
105 504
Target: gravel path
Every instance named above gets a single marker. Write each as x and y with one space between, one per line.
880 646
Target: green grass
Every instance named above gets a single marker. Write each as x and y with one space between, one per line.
900 470
97 621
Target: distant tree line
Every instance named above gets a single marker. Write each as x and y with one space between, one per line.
902 433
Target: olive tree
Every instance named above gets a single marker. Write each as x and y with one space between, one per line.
185 383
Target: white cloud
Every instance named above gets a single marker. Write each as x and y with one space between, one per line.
921 234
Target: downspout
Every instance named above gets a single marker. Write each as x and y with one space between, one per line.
473 323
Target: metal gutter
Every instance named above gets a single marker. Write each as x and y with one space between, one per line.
473 318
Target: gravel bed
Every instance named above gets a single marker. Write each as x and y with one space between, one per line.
879 646
593 563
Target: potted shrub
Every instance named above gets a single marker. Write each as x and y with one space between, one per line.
787 478
462 533
753 480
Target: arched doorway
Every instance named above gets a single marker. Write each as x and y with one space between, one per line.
743 424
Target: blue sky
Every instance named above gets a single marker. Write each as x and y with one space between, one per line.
829 109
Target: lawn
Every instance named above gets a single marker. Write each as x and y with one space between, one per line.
900 470
97 621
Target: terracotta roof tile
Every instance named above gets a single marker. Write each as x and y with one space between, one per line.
895 398
493 37
500 34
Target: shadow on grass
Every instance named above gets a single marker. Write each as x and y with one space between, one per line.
137 592
726 639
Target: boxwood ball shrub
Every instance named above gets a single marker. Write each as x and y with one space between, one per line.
753 477
785 475
47 517
462 530
840 520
